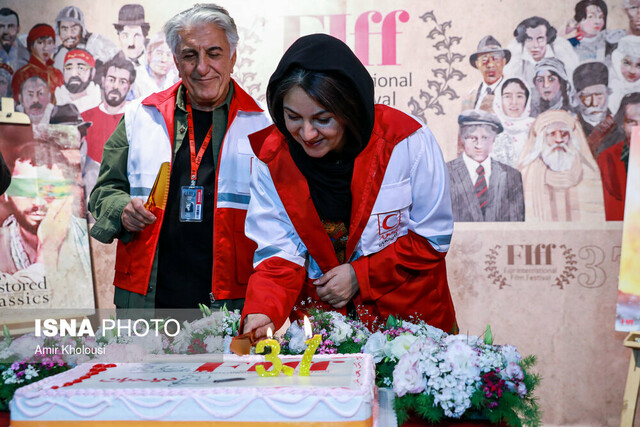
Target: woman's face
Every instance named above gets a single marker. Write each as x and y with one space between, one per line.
630 68
592 24
43 48
313 127
514 99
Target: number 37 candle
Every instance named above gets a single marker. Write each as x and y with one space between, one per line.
313 341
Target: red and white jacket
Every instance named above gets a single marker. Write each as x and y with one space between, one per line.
401 226
150 132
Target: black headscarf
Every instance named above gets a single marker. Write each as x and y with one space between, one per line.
329 177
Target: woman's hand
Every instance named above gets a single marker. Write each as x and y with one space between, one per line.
338 285
259 323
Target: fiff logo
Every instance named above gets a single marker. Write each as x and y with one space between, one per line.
389 222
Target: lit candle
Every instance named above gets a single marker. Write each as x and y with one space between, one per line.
313 341
271 357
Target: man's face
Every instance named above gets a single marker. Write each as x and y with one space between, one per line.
205 64
558 154
8 30
491 65
32 190
34 98
77 75
160 60
593 102
43 48
70 33
131 41
115 86
548 85
633 13
631 118
479 142
536 42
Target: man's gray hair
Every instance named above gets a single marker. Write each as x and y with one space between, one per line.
205 13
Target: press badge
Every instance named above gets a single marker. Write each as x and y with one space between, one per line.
191 204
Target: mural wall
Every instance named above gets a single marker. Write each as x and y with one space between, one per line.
542 95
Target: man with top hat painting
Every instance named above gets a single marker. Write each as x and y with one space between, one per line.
490 59
79 88
132 32
41 43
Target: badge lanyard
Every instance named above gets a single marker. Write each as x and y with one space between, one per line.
192 195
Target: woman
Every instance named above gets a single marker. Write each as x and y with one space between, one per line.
513 108
625 70
592 41
350 202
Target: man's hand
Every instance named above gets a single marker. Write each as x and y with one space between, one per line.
258 323
135 217
338 286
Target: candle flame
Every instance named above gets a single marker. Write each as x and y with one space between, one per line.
307 328
269 333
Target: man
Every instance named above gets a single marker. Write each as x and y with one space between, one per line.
172 258
41 229
490 60
552 87
614 161
132 32
73 34
13 53
118 78
591 82
559 175
40 42
35 99
632 7
79 88
535 39
483 189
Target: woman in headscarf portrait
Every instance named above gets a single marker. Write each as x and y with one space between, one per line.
350 203
513 108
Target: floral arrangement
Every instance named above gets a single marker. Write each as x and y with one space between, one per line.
17 371
340 335
462 376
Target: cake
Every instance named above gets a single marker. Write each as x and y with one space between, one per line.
185 390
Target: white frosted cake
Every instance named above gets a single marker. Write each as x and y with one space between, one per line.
340 390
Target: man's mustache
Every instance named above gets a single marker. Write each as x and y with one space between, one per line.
35 105
75 79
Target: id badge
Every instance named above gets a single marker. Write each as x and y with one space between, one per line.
191 204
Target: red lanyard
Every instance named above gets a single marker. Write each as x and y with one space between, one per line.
196 159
